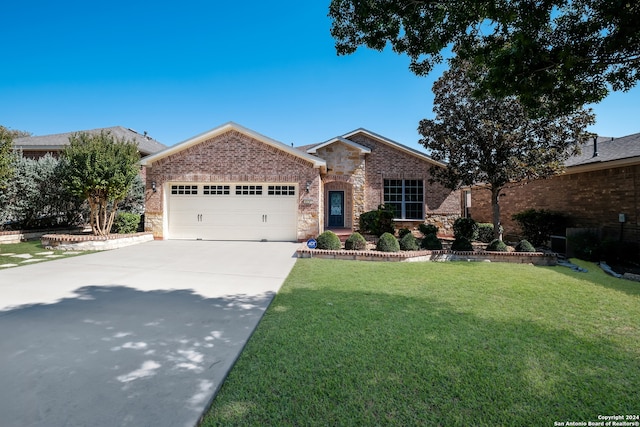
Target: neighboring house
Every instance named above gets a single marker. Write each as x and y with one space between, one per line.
597 186
232 183
35 147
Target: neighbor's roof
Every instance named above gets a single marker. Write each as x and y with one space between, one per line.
146 144
227 127
610 152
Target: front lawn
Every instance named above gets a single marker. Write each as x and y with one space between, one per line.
438 344
24 253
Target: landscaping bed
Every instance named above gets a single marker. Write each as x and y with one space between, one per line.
89 242
535 258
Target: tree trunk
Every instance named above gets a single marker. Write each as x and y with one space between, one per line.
495 208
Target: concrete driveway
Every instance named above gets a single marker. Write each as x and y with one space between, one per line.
139 336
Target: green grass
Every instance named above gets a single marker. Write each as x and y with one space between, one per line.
438 344
33 248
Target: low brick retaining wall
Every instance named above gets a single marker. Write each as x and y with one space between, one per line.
85 242
535 258
21 236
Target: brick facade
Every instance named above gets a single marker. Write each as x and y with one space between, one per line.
442 206
232 154
591 199
235 157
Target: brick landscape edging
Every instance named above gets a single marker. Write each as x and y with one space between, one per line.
535 258
86 242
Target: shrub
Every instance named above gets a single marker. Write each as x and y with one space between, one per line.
126 223
329 240
403 232
462 244
35 196
619 253
538 225
379 221
431 242
408 243
427 229
525 246
485 232
465 228
355 242
388 243
497 245
586 246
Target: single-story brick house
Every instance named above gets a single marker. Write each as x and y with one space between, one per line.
232 183
597 186
35 147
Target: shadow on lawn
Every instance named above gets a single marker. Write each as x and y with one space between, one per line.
334 357
119 356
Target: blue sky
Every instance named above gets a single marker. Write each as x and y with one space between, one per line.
177 69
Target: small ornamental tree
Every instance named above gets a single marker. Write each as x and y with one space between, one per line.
101 169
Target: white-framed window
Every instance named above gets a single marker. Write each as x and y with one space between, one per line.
406 196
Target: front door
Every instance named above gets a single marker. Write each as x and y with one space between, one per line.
336 208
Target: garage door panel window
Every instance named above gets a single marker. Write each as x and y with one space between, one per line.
184 189
406 196
216 190
248 190
281 190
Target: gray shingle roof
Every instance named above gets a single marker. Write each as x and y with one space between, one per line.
609 149
146 144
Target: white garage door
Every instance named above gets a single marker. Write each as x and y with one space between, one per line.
212 211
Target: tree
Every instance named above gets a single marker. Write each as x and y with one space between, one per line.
492 140
556 55
100 169
6 155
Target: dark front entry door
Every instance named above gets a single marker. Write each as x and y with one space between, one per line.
336 208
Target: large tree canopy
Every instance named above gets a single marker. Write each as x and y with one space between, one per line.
555 55
492 141
100 169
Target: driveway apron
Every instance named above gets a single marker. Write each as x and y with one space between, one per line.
139 336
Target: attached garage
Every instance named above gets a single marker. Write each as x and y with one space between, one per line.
232 183
233 211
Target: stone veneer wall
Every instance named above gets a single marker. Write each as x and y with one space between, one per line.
591 199
235 157
346 172
442 206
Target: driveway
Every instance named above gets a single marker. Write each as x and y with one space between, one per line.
139 336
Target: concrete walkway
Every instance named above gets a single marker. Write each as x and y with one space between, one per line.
139 336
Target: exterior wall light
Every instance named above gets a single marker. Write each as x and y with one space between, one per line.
308 186
153 186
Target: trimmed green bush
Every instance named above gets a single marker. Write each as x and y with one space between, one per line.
408 243
465 228
329 240
431 242
355 242
379 221
388 243
403 232
126 223
427 229
485 232
497 245
462 244
525 246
